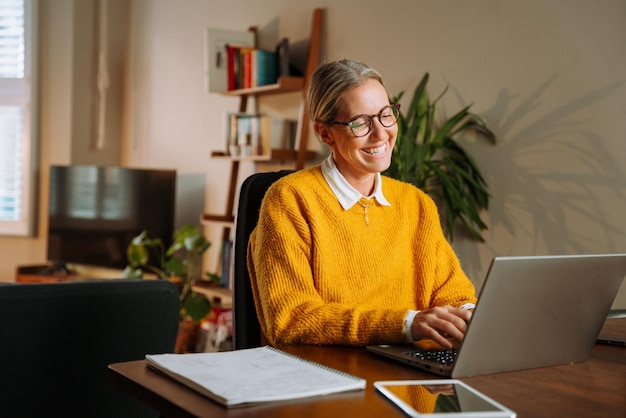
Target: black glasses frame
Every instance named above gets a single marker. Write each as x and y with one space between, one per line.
370 119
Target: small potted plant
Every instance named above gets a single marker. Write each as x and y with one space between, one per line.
180 263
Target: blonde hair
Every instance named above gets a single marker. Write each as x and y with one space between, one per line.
330 81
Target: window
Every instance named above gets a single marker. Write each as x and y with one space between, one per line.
17 92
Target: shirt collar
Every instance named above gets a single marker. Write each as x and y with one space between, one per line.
347 195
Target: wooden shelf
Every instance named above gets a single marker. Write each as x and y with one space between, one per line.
224 219
220 297
275 155
283 85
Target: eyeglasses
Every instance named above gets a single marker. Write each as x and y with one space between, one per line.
361 125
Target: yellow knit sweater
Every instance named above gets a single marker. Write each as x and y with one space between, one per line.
322 275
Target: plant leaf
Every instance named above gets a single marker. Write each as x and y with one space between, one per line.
195 306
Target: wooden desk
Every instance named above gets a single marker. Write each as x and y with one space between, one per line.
595 388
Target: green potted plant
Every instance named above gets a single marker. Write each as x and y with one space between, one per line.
427 156
180 263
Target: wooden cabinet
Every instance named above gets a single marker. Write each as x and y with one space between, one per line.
300 155
53 273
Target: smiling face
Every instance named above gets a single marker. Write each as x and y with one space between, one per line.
360 158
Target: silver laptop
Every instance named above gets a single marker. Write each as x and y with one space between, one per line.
532 312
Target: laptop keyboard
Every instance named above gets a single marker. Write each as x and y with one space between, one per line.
443 357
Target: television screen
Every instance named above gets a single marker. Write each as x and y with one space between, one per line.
95 211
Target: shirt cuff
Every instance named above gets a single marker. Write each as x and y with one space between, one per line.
408 321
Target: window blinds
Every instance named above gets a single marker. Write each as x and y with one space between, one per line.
16 177
10 162
12 39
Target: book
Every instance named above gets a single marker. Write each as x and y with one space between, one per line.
238 66
245 76
264 68
226 260
257 135
253 375
232 56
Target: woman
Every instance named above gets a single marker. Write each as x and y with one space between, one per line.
343 255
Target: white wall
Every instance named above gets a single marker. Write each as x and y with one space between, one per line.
548 77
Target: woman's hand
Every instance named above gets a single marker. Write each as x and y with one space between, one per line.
440 323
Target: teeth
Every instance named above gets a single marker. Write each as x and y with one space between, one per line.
376 151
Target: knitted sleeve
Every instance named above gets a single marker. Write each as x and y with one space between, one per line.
450 284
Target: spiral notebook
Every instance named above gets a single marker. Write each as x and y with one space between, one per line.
254 375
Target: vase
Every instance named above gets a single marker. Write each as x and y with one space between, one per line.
187 337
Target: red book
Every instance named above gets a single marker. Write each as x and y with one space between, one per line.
233 64
236 66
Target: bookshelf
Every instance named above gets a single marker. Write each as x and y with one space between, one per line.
298 156
283 85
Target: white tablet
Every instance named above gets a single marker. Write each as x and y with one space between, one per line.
441 398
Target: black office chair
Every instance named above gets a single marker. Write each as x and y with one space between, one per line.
59 338
246 327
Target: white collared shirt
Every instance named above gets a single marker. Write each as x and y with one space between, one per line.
347 195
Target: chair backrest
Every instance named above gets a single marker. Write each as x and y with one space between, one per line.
59 338
246 328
